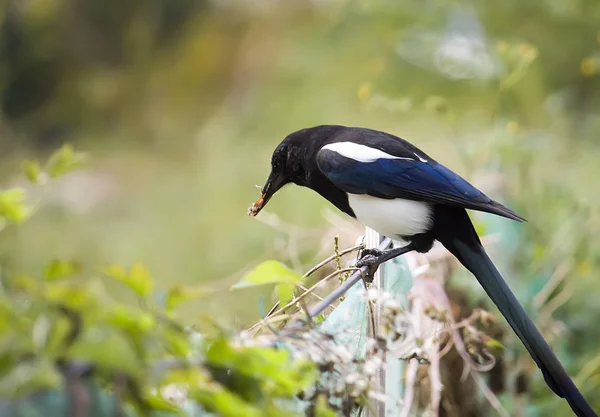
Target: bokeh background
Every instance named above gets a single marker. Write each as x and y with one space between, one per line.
179 104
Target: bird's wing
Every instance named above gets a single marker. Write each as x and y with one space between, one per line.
402 177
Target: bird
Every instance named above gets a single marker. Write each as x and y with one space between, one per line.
396 189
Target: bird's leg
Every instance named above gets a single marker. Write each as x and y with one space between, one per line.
372 258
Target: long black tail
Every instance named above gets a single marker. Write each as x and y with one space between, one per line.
456 232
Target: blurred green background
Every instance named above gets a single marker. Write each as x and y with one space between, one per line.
181 102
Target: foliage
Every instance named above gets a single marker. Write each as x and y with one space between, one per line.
182 102
272 272
64 339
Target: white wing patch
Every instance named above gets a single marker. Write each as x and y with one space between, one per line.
420 159
360 153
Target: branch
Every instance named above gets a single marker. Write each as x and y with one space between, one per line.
342 289
274 309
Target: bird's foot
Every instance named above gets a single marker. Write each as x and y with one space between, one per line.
372 258
369 257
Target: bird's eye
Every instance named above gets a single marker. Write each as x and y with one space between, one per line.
278 161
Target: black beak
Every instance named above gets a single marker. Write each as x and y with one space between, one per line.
273 184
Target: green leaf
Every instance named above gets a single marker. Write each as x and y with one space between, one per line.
130 320
61 330
176 342
158 403
77 297
180 294
59 269
138 278
29 376
493 343
322 409
12 207
64 160
216 398
192 376
278 373
107 348
33 171
25 283
268 272
285 293
319 319
115 271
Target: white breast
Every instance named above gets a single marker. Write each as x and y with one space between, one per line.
392 218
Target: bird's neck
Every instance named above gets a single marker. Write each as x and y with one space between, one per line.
339 198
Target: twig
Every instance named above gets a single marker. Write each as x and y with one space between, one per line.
557 277
371 312
409 391
545 314
331 258
311 289
456 340
488 394
447 347
303 288
435 379
276 318
307 274
302 305
342 289
301 296
587 371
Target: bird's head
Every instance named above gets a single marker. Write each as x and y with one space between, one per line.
287 166
293 161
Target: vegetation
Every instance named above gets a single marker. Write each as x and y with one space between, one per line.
107 258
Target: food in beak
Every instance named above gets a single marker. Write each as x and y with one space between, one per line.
257 206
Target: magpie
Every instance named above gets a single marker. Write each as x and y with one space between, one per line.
396 189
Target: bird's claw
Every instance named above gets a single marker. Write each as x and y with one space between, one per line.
369 260
370 252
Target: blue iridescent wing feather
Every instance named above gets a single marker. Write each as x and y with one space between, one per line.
406 178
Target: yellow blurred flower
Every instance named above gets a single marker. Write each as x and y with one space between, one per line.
584 268
528 52
364 91
589 66
512 127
